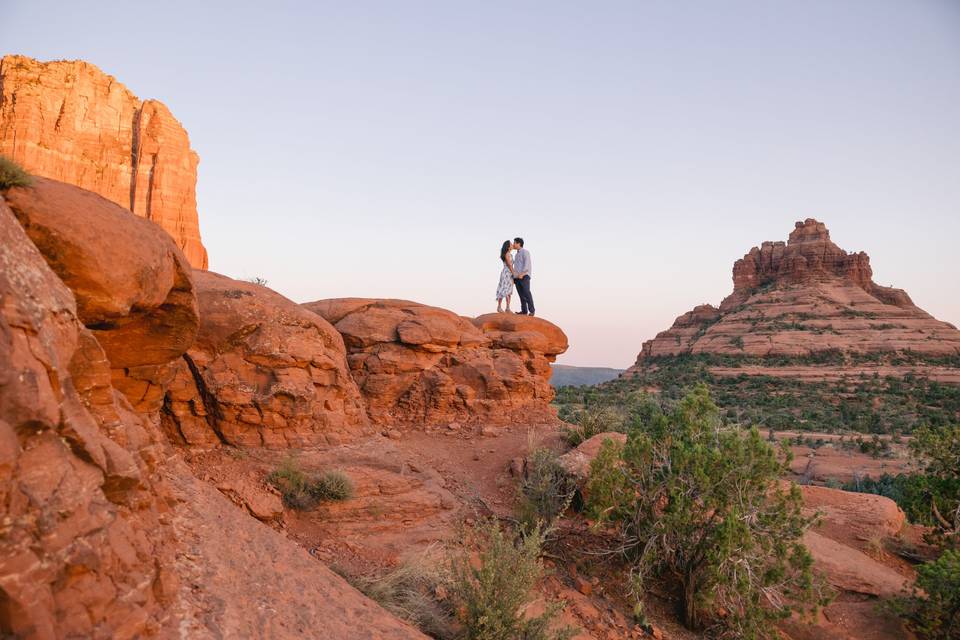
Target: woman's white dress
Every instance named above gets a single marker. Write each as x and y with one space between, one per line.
505 288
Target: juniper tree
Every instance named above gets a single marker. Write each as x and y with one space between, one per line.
700 504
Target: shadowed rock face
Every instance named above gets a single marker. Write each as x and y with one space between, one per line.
801 297
263 371
69 121
416 364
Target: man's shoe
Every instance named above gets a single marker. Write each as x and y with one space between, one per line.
521 313
531 314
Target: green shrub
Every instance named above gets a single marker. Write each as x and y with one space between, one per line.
12 175
939 448
700 502
332 486
304 491
546 490
413 591
933 611
492 594
588 423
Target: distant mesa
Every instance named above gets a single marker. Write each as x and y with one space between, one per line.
801 298
69 121
565 375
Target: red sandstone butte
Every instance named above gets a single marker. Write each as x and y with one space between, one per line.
69 121
800 297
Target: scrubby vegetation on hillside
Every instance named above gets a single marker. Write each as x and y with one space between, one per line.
12 174
697 500
867 405
931 497
464 596
492 591
302 490
933 611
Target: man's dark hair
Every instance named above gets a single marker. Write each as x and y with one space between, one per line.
519 241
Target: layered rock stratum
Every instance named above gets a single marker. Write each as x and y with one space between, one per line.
70 121
416 364
801 298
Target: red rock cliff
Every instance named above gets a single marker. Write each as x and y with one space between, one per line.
69 121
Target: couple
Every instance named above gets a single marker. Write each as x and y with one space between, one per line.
516 270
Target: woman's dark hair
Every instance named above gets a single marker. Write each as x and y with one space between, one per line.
504 250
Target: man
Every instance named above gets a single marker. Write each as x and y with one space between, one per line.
523 266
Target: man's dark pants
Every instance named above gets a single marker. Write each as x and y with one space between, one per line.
523 290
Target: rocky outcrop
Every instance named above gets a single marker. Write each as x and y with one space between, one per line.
82 549
69 121
133 286
263 371
804 297
416 364
104 532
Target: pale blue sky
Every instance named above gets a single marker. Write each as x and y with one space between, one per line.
387 148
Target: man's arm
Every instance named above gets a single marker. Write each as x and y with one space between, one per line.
526 264
520 264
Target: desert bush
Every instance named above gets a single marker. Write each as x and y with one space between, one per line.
491 593
546 490
12 174
303 491
700 502
939 448
933 611
415 591
915 493
588 423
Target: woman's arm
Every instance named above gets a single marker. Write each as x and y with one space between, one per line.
510 264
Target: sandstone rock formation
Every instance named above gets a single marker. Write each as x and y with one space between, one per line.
82 551
133 286
416 364
263 371
848 552
803 297
69 121
104 532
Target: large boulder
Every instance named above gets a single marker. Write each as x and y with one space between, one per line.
82 545
853 518
133 286
70 121
263 371
849 569
416 364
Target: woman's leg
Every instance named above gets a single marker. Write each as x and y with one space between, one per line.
499 302
508 302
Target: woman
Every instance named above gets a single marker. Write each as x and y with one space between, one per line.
505 288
